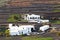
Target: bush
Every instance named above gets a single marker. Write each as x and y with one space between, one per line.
2 30
13 18
58 33
7 33
1 33
16 18
55 21
56 10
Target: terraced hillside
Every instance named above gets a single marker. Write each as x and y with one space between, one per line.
29 6
48 1
35 7
27 2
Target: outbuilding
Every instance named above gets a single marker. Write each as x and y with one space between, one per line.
44 28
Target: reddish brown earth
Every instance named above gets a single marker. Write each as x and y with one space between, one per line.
29 2
48 1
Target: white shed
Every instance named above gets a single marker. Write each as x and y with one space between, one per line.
45 27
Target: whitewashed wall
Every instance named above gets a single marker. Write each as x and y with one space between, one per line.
22 29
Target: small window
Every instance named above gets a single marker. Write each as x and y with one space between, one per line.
38 17
31 18
35 17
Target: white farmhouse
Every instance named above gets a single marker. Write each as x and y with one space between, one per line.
21 29
32 18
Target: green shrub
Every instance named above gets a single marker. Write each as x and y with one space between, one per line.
56 10
16 18
7 33
0 33
58 33
55 21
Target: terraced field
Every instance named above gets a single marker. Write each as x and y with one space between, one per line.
35 7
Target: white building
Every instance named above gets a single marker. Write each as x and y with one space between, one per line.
13 29
44 28
22 29
32 18
25 29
